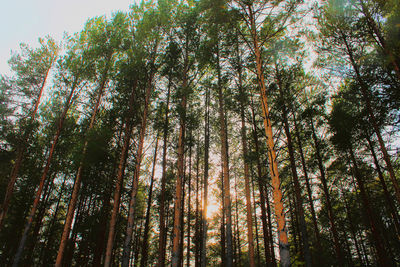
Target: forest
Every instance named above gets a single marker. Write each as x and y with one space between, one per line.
206 133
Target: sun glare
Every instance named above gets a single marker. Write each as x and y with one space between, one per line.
212 209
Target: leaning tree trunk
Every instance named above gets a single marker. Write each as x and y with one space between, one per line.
20 154
145 243
78 178
297 190
44 174
381 253
386 193
120 177
136 174
308 186
366 95
273 166
331 215
261 185
380 40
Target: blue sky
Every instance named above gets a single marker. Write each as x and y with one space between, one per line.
27 20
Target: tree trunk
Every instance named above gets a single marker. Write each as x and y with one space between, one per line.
145 243
331 216
120 177
162 238
224 159
246 175
20 154
380 39
189 204
263 200
44 175
386 193
382 254
78 178
278 203
205 181
297 189
180 175
372 119
309 191
136 174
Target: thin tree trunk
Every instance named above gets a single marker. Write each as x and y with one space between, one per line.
308 186
44 175
180 176
386 193
380 39
278 203
378 244
271 240
366 95
331 216
246 175
189 207
238 254
119 180
20 154
223 235
205 181
263 200
352 229
78 178
198 219
145 243
297 190
162 238
136 174
255 217
225 164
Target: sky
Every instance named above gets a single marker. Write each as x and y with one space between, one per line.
24 21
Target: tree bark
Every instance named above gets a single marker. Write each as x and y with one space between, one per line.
225 164
44 174
263 200
180 175
206 167
366 95
145 243
246 174
297 190
136 174
277 192
331 216
120 177
378 243
20 153
308 186
78 178
162 238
